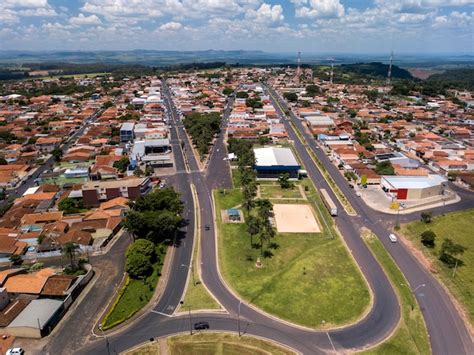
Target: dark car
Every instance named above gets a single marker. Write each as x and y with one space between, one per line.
201 325
206 227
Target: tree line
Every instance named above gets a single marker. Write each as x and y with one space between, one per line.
202 127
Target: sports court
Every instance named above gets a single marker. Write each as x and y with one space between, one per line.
297 218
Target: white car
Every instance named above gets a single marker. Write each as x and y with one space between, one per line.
393 238
358 194
15 351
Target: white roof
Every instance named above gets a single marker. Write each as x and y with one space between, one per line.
31 190
414 182
274 156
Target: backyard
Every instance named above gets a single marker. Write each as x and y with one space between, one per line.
456 226
326 289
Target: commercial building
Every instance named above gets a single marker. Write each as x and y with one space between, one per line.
413 187
272 162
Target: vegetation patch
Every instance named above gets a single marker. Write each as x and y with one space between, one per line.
453 229
411 337
215 343
327 289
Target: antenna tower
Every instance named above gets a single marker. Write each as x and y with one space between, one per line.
389 74
331 74
298 70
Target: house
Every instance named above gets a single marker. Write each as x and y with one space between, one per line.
47 144
126 132
95 192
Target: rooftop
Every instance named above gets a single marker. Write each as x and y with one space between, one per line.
274 157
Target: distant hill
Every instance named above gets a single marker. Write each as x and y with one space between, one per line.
454 79
376 69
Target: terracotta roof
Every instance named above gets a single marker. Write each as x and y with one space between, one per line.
37 196
57 285
12 310
120 202
76 236
5 274
43 217
31 283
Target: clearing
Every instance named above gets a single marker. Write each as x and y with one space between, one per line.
291 218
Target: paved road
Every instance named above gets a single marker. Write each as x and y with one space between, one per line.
448 334
374 327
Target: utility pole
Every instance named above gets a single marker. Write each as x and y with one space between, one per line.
106 339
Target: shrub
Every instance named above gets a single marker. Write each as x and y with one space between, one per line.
428 239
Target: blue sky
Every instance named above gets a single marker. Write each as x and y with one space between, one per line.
337 26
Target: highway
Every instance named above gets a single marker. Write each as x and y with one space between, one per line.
376 326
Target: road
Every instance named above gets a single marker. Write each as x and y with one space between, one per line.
379 322
448 333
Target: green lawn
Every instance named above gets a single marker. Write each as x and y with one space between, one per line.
326 289
216 344
457 226
411 336
135 295
275 191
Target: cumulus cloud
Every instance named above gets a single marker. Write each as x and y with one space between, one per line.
266 13
319 9
12 4
83 20
171 26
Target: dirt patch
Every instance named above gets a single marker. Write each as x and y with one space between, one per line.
419 255
295 219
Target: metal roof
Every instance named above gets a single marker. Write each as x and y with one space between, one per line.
414 182
37 314
275 157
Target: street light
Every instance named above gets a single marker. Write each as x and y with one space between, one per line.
417 287
106 339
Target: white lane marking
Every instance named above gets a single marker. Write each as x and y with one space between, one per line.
161 313
329 337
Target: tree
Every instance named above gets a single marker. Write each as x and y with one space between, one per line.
426 217
70 205
253 227
290 96
265 208
371 95
242 95
227 91
449 251
122 164
138 266
134 223
142 246
57 154
15 259
3 161
70 249
138 172
428 238
159 200
384 168
312 90
149 170
284 181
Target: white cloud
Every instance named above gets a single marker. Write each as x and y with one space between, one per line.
171 26
13 4
266 13
84 20
319 9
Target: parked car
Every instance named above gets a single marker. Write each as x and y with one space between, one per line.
15 351
393 238
358 194
206 227
201 325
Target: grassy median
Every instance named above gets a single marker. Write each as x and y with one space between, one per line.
457 226
311 279
411 336
135 294
214 343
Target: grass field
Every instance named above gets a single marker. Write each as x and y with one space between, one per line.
411 336
274 191
213 343
135 295
76 76
457 226
326 287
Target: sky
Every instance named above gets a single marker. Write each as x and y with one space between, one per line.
312 26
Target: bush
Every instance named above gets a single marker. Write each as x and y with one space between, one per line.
426 217
138 266
428 239
144 247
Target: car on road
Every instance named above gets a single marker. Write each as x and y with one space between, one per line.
206 227
201 325
15 351
358 194
392 237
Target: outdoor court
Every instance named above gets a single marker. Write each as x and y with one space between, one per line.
295 219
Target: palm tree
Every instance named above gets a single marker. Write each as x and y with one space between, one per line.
69 249
253 227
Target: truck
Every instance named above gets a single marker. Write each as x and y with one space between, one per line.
328 202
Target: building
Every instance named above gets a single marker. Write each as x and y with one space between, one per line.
126 132
398 159
413 187
272 162
95 192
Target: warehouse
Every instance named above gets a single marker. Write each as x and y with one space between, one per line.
413 187
272 162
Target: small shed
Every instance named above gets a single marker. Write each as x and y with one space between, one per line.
233 214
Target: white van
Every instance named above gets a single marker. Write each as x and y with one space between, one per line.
393 238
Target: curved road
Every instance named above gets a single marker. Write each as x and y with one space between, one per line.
439 312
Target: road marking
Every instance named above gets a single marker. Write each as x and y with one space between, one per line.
332 344
161 313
